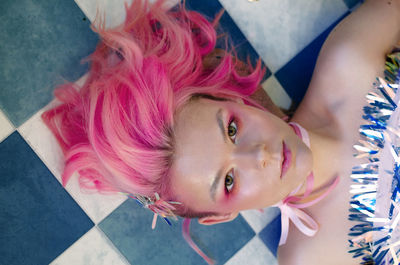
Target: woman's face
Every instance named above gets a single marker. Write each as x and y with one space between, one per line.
230 157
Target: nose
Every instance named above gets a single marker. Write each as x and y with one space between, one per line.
255 155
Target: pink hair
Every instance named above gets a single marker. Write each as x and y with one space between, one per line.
117 130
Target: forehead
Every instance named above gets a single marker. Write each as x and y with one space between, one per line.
198 150
197 115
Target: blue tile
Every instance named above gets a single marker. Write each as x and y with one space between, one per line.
38 218
270 235
352 3
244 50
295 76
129 228
41 44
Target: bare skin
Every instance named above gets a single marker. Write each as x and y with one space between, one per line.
350 60
246 151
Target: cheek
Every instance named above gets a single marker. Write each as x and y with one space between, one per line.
257 192
184 189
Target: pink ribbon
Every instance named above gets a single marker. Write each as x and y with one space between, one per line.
290 208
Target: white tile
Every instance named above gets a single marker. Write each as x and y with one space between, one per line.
6 128
94 248
257 219
42 141
278 30
114 10
277 93
81 81
255 253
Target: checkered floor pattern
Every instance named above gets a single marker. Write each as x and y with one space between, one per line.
42 44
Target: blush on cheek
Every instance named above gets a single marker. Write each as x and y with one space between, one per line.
229 197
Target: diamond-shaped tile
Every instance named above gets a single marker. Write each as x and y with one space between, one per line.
129 228
94 248
255 253
6 128
258 220
113 10
278 30
38 218
41 44
271 234
276 92
40 138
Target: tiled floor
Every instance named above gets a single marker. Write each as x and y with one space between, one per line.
41 44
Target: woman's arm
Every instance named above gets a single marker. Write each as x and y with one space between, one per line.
371 31
350 59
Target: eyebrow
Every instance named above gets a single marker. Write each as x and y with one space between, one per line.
221 124
219 174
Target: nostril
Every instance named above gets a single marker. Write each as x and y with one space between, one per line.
262 155
264 164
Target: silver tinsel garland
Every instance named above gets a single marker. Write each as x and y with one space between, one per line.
375 202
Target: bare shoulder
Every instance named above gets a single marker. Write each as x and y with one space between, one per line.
351 58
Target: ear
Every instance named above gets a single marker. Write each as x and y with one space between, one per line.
216 219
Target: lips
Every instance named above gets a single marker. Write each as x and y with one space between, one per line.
287 158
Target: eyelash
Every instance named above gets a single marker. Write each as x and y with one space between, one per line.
229 183
232 120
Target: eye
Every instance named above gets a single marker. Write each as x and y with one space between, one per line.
229 182
232 129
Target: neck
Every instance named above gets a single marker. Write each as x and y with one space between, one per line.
324 152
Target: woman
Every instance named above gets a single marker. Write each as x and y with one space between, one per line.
155 120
